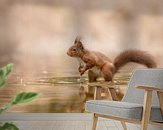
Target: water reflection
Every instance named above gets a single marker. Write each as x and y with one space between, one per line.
59 94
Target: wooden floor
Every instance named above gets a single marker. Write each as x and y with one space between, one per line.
51 121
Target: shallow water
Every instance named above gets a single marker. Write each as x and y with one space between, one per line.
58 94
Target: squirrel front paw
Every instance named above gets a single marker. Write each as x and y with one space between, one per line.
82 70
80 67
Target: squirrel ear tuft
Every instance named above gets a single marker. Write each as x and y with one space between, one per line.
78 43
77 40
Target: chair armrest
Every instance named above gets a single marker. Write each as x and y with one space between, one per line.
148 88
148 101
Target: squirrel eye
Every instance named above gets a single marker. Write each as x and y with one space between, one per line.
74 49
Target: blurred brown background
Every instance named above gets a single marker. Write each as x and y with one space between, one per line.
35 34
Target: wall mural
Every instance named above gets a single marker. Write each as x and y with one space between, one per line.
38 37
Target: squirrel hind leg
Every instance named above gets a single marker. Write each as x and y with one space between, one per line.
92 76
107 73
108 76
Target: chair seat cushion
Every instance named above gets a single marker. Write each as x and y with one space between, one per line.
125 110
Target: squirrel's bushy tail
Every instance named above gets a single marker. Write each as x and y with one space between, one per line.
137 56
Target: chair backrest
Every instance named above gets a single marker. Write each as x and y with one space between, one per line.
147 77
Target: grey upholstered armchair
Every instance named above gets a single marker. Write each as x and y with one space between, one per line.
142 103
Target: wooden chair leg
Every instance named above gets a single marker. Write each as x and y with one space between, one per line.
146 109
97 96
113 94
94 122
160 97
124 125
97 93
109 96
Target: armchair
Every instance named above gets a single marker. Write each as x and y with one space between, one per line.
142 103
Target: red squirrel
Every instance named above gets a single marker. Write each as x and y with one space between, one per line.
98 64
